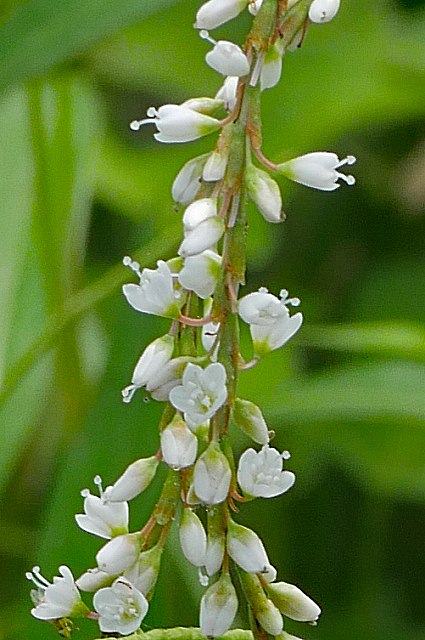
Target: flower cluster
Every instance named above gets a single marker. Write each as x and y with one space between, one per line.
194 367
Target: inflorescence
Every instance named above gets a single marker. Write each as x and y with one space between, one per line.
194 368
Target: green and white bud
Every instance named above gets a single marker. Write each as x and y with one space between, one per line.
246 548
218 608
144 573
135 479
193 539
265 193
250 420
212 475
293 602
119 554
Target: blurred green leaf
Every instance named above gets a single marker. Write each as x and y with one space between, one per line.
382 392
43 33
386 339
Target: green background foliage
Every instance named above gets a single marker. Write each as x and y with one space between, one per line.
79 190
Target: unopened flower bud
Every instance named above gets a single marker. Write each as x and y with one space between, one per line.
215 166
199 211
267 614
204 236
207 106
179 445
119 554
216 12
94 579
200 273
215 553
168 378
193 539
135 479
292 602
150 363
188 180
265 193
250 420
246 548
212 475
323 10
144 573
272 66
219 605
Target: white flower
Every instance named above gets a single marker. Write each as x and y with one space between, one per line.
266 338
264 308
249 418
121 607
246 549
227 93
317 170
188 180
179 445
271 326
193 539
144 573
204 236
133 481
55 600
265 193
212 475
208 106
215 552
209 338
219 605
155 293
149 365
323 10
93 579
260 473
176 123
216 12
226 57
272 66
101 518
200 273
215 166
202 392
119 554
293 602
199 211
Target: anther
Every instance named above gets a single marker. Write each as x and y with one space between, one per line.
204 34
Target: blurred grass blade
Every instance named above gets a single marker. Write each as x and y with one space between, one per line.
78 305
43 33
